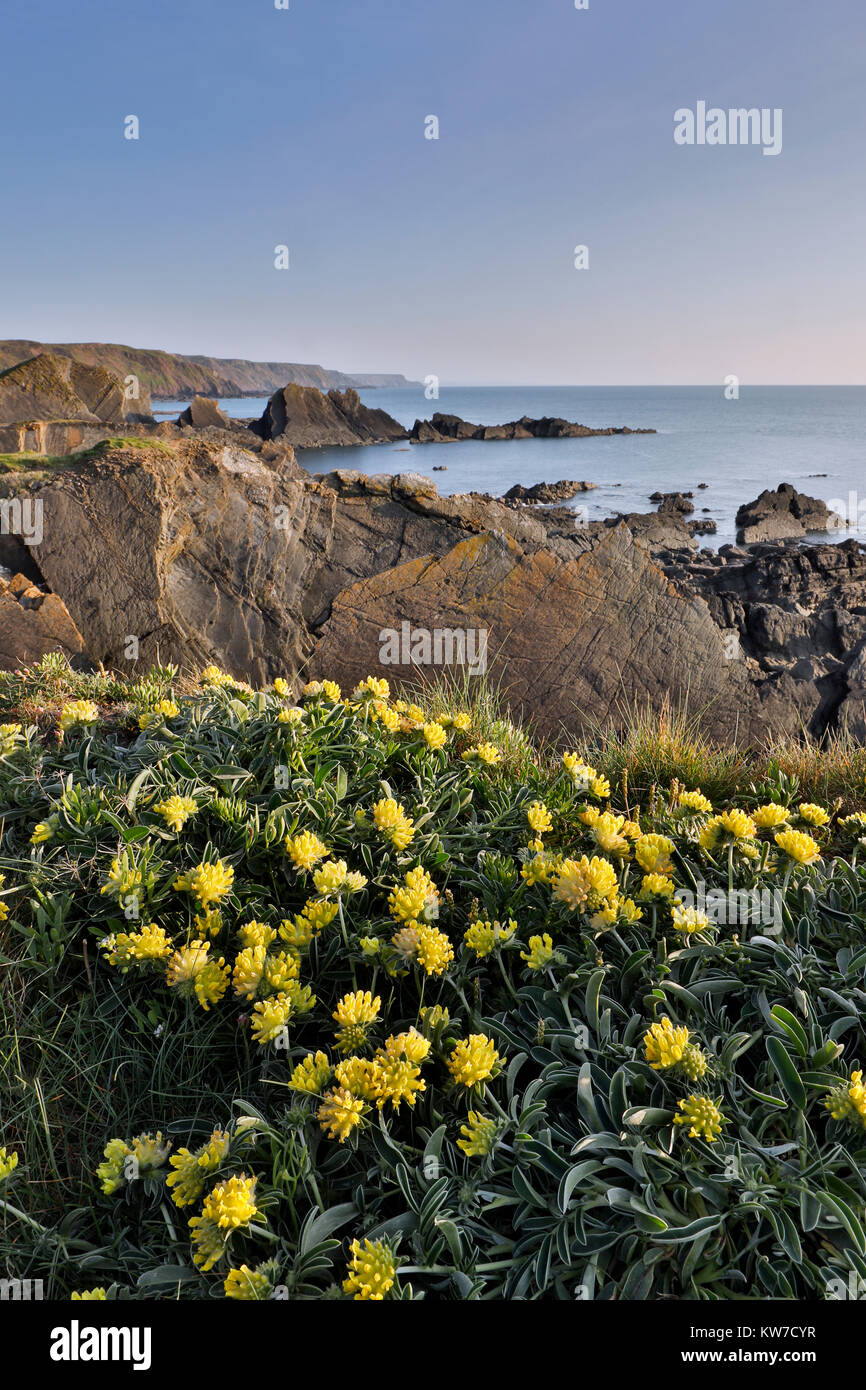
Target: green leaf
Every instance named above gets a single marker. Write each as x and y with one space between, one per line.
787 1072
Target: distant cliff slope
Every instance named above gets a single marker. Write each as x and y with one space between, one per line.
171 376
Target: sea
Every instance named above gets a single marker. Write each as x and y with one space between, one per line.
811 436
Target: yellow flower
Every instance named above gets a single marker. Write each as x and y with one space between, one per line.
111 1171
299 933
585 882
812 814
386 715
209 883
89 1296
473 1060
689 919
143 947
271 1016
665 1044
213 675
191 970
417 900
390 820
434 951
435 736
484 937
355 1013
729 827
653 853
398 1080
312 1074
340 1113
318 914
607 832
371 687
177 810
486 753
330 877
249 1285
372 1270
411 1047
208 1241
580 772
256 934
539 818
191 1169
78 712
305 850
360 1076
600 787
655 886
165 709
290 716
704 1117
8 1163
10 734
540 952
479 1135
231 1204
847 1101
281 687
44 830
767 817
799 847
694 801
461 722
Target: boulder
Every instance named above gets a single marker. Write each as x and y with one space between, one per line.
783 514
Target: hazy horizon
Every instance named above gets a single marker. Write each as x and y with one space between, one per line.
305 127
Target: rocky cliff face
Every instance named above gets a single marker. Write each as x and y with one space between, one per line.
48 387
209 551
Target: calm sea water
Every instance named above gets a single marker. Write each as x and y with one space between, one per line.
811 436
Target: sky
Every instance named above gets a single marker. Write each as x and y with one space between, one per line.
454 257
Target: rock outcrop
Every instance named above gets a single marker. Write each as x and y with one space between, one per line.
204 413
209 551
783 514
441 428
545 493
48 387
305 418
33 622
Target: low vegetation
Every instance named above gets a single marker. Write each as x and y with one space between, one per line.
314 996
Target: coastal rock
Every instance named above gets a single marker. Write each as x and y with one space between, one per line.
305 418
441 428
209 551
202 412
783 514
33 622
48 387
674 502
545 493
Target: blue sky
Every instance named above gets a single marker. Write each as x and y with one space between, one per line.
455 257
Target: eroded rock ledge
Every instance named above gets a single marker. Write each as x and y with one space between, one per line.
208 551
